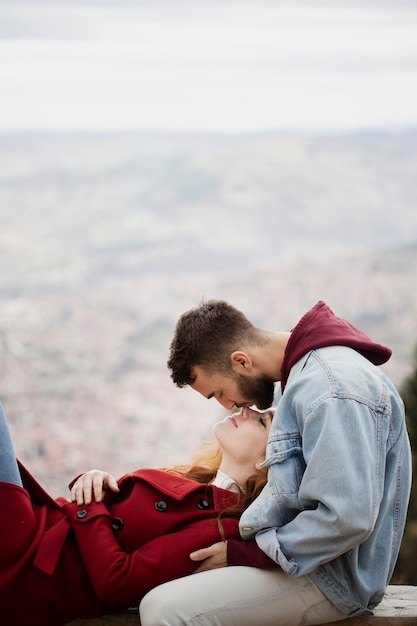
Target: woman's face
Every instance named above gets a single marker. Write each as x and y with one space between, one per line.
242 437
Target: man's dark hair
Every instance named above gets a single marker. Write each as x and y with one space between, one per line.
206 336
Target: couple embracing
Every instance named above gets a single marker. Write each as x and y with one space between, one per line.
293 516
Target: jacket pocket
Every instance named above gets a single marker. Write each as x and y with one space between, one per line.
285 461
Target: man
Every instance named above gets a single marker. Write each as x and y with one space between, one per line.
324 534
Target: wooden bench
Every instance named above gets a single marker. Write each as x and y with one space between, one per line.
398 608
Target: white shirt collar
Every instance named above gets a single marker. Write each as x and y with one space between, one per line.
224 481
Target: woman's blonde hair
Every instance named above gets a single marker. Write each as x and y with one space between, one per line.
203 468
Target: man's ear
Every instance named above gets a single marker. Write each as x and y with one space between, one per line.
241 360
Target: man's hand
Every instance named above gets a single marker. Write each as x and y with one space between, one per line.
92 483
212 557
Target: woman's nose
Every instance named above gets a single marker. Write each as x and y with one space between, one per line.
246 413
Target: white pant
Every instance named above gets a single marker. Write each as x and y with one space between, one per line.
238 596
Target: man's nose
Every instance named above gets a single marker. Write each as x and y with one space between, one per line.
228 404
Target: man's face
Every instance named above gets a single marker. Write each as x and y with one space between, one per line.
235 389
259 387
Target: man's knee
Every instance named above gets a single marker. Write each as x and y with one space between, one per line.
156 608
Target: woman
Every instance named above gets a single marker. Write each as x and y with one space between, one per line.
104 549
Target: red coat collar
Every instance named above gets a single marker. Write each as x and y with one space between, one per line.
178 487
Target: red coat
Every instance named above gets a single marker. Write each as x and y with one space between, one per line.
59 561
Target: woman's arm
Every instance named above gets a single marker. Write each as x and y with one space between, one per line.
121 577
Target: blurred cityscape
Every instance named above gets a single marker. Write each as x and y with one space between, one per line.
106 239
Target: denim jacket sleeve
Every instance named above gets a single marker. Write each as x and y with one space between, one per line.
334 507
326 458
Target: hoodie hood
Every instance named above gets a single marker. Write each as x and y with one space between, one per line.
320 328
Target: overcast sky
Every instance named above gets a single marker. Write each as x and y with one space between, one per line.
207 65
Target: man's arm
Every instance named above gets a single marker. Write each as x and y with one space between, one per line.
232 552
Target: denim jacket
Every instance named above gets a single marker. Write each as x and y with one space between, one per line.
339 479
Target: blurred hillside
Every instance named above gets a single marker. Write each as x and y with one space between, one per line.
106 239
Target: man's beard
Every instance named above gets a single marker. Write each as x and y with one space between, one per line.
259 391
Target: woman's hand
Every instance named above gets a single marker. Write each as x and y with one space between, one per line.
92 483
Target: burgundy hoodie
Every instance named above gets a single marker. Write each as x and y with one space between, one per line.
318 328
